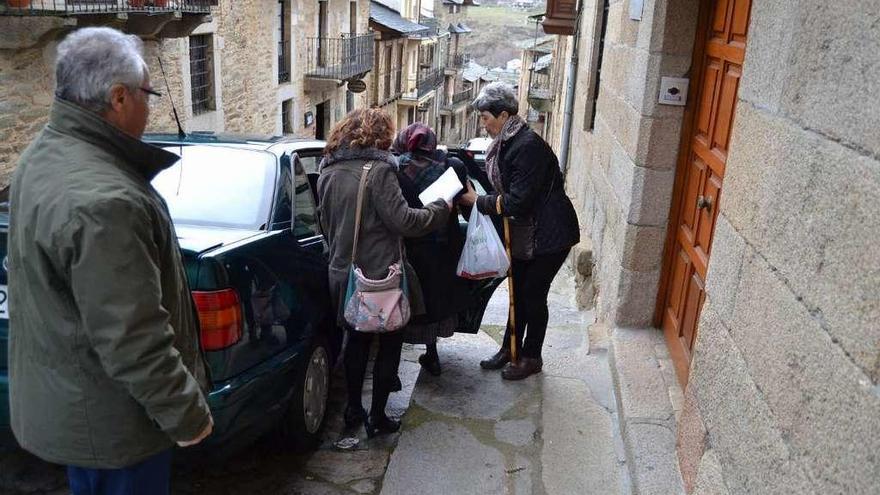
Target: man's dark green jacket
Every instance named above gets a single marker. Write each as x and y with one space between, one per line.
105 367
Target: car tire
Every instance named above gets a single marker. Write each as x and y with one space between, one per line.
307 409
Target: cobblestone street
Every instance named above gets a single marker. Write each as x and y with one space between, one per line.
465 432
266 468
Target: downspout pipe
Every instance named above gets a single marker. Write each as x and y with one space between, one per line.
570 89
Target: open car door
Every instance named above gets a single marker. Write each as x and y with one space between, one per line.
481 291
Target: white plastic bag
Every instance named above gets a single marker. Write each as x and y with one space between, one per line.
484 255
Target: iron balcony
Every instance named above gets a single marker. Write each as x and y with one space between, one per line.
86 7
429 80
459 99
341 58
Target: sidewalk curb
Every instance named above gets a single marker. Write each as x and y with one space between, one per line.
644 386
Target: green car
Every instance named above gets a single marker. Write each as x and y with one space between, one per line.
244 209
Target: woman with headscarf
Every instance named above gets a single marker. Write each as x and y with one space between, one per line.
530 196
434 256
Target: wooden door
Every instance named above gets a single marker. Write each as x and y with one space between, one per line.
718 55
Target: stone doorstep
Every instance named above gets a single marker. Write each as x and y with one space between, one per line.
648 404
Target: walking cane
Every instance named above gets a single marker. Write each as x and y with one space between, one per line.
512 307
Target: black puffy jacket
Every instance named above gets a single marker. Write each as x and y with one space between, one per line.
534 186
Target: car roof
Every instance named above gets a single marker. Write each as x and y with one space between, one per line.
254 142
479 144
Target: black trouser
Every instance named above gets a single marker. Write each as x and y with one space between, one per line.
357 353
531 285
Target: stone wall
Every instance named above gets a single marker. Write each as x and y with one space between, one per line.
174 53
248 96
621 172
783 395
26 91
27 85
249 71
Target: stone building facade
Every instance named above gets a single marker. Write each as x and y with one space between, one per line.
419 66
263 60
538 88
740 224
255 62
454 124
393 74
406 38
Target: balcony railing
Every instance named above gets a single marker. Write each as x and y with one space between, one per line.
392 87
283 62
541 86
458 60
459 98
341 58
429 80
70 7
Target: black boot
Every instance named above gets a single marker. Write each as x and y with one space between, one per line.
431 363
396 386
354 417
497 361
381 425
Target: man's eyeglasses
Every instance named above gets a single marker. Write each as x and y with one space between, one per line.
151 92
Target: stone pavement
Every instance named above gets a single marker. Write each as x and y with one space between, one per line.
649 403
600 419
470 432
267 468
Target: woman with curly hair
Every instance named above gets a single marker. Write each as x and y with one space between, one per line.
364 136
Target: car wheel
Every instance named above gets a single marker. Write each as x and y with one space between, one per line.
308 406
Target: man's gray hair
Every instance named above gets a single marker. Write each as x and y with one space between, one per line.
92 60
497 97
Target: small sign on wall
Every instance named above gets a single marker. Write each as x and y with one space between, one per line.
310 119
635 9
357 86
674 91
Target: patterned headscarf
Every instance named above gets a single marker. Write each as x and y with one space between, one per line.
416 137
513 125
419 158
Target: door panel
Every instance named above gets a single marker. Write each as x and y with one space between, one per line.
740 22
709 88
709 213
720 17
694 302
696 178
720 51
679 283
726 106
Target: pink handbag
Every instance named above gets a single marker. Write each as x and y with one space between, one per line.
375 306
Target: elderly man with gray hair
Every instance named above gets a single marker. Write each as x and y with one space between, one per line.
106 373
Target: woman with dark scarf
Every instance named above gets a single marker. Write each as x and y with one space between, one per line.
530 195
433 256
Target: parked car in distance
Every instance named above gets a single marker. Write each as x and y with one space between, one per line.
473 154
478 146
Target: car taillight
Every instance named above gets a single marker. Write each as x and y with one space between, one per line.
220 318
470 154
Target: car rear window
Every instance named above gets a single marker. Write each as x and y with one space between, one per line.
219 187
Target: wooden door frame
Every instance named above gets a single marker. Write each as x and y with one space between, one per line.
680 361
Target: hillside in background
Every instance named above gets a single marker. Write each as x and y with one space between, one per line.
497 30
